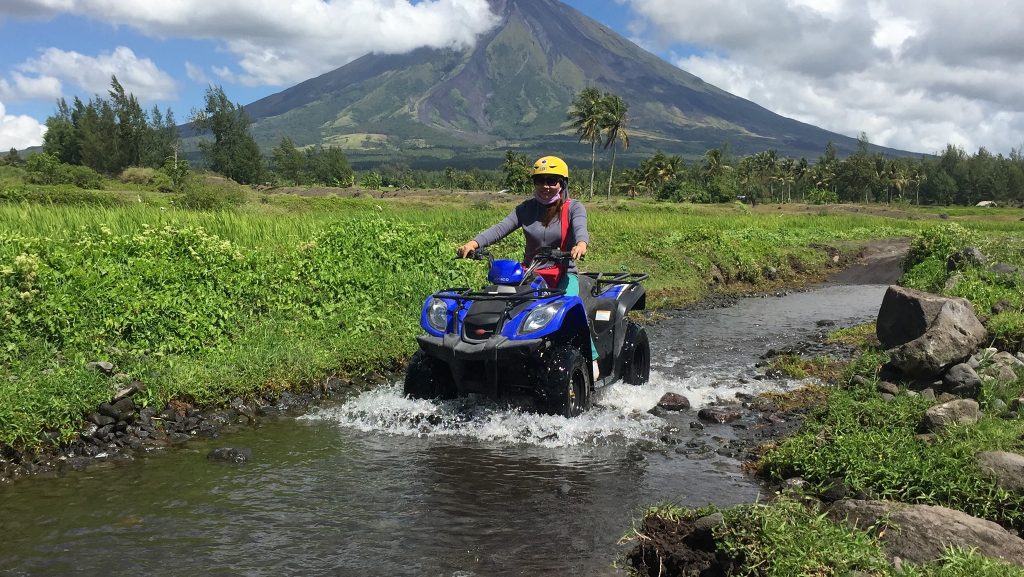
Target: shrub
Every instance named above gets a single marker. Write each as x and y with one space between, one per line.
147 177
821 196
939 241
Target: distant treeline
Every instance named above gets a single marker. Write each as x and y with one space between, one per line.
107 136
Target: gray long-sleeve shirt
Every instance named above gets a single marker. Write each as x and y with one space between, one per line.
528 216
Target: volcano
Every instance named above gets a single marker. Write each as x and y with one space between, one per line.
512 90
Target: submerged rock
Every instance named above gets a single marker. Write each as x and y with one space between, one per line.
230 455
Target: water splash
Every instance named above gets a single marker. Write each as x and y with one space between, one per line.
620 413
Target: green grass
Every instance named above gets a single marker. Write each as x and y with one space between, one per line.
785 538
279 290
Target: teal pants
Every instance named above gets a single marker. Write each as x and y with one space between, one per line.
571 285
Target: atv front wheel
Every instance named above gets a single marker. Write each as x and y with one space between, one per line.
428 378
565 383
636 369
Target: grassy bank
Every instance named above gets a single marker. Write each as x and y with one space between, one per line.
856 439
272 291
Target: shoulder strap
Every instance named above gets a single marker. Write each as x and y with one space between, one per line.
565 223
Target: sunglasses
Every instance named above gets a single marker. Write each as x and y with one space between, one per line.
548 180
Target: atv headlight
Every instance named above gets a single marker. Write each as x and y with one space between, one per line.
437 314
539 318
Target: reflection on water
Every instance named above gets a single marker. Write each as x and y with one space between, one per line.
382 485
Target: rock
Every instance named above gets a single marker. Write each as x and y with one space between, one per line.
905 315
230 455
952 337
105 367
132 388
961 380
1003 268
956 412
1006 468
1003 306
718 414
967 256
997 406
674 402
658 412
923 533
887 387
709 522
859 380
835 491
125 408
100 420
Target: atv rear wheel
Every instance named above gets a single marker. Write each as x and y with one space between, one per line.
565 383
636 369
428 378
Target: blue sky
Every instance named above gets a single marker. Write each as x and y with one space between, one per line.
912 74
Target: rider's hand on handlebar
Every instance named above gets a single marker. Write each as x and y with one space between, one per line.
464 250
579 250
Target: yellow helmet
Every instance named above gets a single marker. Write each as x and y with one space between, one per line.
550 165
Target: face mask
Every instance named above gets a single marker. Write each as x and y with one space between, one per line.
549 201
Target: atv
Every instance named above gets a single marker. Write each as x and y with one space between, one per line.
519 338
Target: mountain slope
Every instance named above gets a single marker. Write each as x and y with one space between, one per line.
513 89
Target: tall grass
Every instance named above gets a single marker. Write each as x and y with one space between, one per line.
210 305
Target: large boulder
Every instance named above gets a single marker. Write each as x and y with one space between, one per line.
922 533
905 315
927 333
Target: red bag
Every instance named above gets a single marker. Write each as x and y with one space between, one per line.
552 275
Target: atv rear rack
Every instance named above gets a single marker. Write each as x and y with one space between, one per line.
630 278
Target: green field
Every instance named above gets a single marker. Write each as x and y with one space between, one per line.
276 291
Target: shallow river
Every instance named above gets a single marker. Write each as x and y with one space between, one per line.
382 485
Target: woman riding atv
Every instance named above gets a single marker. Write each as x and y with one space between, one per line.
549 220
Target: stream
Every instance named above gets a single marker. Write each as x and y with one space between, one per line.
383 485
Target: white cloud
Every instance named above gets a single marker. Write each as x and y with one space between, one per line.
139 76
196 73
26 88
286 42
912 74
19 131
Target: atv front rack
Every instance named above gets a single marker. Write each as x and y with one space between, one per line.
466 294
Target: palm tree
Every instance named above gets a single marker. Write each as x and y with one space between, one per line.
585 119
613 124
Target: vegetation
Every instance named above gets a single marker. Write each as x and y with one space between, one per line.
108 136
785 538
83 133
233 152
271 291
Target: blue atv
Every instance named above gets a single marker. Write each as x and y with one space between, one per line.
519 338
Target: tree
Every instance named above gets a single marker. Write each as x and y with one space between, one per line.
233 152
289 162
12 157
585 119
515 173
61 139
132 126
162 140
449 175
329 167
110 135
613 124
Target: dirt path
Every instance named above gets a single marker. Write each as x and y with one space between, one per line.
879 262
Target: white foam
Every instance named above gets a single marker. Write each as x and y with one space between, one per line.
619 413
